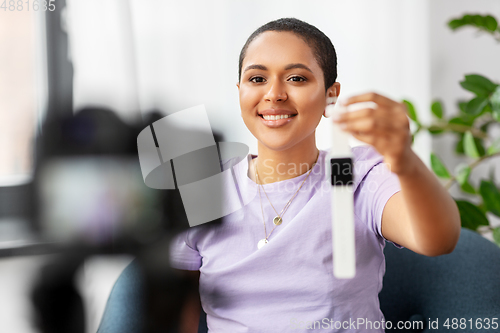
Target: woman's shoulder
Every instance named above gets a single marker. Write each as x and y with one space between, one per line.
232 154
226 164
366 155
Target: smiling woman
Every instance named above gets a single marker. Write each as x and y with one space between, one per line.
268 266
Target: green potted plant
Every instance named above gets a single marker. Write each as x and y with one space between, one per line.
474 140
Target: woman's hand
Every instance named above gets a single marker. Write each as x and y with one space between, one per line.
385 127
431 231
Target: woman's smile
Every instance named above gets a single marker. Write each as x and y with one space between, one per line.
276 117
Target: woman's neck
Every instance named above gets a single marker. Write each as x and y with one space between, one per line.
274 166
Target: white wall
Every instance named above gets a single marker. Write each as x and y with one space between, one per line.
186 52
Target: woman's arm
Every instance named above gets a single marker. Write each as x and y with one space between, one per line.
422 217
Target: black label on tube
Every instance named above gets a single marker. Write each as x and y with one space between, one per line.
341 171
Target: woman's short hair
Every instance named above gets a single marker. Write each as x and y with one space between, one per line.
320 44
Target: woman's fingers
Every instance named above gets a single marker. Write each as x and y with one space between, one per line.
365 137
365 120
364 125
383 104
377 127
380 118
352 115
370 97
385 126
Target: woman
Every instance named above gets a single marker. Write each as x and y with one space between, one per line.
268 267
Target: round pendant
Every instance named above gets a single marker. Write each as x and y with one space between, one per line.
261 243
277 220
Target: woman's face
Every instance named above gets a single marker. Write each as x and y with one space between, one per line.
282 91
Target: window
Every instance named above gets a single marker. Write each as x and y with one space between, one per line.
21 80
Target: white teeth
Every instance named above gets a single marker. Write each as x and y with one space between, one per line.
280 116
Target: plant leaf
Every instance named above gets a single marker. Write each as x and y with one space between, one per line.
482 207
462 105
470 215
455 24
494 148
470 147
435 130
464 119
473 88
459 147
486 109
496 115
437 109
479 146
476 105
491 196
481 81
439 168
490 23
468 188
478 20
411 111
496 235
467 19
478 84
495 100
462 172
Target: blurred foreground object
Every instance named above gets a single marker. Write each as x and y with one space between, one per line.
90 198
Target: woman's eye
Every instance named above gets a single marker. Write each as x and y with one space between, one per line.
257 79
297 79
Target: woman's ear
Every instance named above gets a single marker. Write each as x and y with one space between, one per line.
334 90
332 94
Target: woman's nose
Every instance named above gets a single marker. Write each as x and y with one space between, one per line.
276 93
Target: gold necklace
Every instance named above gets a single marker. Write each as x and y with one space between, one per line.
277 219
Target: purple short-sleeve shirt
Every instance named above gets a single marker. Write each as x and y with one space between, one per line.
288 285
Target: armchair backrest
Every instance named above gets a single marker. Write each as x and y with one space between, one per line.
463 284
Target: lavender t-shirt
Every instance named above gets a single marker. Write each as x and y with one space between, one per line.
288 285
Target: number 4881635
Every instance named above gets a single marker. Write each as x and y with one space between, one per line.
478 324
27 5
